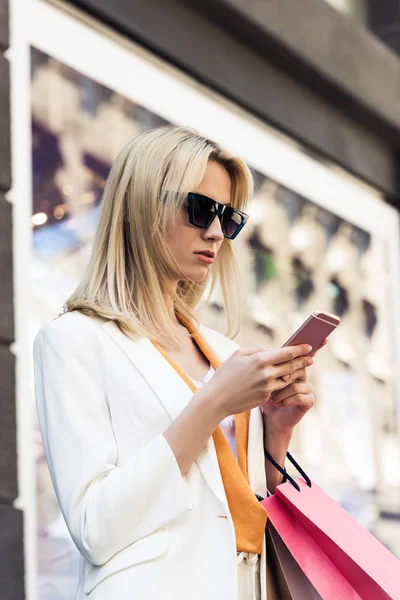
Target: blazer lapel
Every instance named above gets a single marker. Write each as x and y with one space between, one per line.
172 392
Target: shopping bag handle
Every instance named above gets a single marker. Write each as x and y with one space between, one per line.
286 476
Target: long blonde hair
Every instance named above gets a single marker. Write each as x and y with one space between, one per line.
130 265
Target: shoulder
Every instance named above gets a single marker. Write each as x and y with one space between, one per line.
69 328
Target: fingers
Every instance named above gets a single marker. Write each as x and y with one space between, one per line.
272 356
298 394
299 375
250 351
298 387
286 370
303 401
281 355
269 356
279 365
285 383
286 354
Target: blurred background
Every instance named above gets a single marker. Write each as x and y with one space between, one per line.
308 93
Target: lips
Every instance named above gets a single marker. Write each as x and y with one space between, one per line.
205 256
206 253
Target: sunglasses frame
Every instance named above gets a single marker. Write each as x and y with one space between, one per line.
219 210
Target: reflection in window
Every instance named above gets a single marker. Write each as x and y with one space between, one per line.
304 285
330 223
89 94
46 160
340 297
268 331
361 239
265 266
293 204
370 318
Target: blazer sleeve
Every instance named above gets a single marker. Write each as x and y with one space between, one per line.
105 507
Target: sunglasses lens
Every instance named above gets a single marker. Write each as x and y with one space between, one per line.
203 212
231 222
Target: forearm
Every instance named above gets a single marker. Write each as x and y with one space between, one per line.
277 444
190 431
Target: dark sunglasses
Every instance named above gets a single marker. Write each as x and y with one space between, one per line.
202 210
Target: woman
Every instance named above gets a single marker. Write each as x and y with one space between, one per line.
158 497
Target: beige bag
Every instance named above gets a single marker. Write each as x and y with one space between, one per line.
285 579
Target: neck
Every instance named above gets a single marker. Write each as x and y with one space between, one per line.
169 304
181 330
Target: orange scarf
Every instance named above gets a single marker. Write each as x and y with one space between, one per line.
248 515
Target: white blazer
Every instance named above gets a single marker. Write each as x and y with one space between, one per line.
143 530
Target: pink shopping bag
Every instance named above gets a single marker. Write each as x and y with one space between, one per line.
342 560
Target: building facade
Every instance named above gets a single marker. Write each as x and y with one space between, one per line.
307 95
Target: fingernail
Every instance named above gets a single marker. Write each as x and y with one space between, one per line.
310 361
285 377
309 348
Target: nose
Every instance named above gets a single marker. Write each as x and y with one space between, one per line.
214 231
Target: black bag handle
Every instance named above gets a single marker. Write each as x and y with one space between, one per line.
286 476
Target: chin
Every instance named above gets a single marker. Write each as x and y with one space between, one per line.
196 275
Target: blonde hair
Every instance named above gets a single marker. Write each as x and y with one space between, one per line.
130 265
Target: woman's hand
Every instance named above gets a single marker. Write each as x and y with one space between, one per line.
281 414
249 377
286 407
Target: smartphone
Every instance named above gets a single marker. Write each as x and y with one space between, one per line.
314 330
